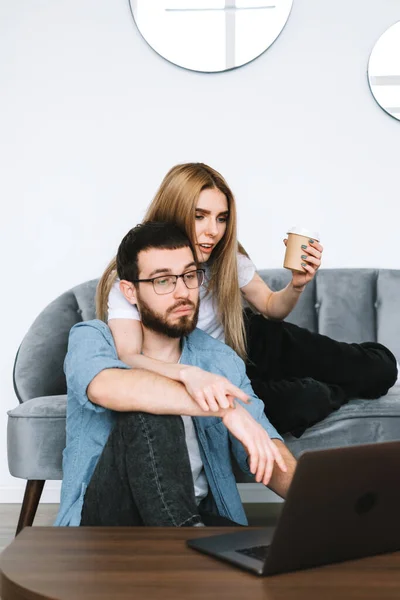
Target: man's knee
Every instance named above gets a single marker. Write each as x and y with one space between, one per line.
133 424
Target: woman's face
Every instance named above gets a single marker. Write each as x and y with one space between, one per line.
211 217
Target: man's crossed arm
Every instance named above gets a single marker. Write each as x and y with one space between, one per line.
142 391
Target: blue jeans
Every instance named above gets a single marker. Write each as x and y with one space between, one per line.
143 477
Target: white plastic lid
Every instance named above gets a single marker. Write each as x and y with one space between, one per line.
313 235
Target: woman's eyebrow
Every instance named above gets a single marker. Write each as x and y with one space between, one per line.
208 212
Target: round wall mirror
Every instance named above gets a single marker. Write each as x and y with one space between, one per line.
210 35
384 71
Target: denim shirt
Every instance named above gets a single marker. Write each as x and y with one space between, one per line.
91 349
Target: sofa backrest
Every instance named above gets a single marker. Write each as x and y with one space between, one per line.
351 305
38 368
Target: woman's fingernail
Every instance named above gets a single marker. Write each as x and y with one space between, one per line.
304 247
311 241
303 264
303 256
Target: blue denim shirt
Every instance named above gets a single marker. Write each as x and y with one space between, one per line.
90 350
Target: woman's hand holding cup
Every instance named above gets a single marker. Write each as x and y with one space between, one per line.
303 255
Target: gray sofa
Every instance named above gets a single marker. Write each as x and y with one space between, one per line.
351 305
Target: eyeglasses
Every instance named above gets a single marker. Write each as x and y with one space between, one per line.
167 283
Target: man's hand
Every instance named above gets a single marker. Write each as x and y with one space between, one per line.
263 453
210 391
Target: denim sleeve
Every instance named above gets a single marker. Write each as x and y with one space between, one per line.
90 351
256 409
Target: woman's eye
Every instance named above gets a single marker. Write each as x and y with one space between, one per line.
222 219
191 276
198 217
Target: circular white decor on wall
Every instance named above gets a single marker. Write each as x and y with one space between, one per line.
384 71
210 35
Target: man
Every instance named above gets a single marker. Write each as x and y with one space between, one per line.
139 449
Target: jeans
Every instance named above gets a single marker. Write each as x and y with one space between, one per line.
143 477
302 376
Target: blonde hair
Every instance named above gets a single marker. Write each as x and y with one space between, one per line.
175 201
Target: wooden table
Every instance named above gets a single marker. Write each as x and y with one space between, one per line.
81 563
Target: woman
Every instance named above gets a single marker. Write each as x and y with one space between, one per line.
287 364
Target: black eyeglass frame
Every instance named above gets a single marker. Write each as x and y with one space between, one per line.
183 275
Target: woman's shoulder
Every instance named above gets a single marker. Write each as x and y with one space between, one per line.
118 305
243 260
246 269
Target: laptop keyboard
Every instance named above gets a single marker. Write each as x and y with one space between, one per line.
259 552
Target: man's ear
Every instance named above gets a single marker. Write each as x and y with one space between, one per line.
128 290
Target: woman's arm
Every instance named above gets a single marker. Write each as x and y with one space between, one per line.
273 305
128 338
210 391
277 305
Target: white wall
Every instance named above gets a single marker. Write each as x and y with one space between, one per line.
92 118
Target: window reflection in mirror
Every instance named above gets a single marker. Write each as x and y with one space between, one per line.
210 35
384 71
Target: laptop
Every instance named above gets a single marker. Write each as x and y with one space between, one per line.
342 504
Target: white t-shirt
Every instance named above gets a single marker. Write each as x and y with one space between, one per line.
196 464
120 308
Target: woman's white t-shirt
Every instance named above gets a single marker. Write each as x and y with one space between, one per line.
208 321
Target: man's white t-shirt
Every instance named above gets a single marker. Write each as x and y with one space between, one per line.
120 308
196 464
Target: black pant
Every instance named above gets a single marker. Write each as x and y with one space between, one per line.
143 477
302 376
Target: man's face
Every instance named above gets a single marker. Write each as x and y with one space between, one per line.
174 314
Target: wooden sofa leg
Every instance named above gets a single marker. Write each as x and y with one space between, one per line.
33 491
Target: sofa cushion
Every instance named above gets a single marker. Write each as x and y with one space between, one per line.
388 314
36 438
346 305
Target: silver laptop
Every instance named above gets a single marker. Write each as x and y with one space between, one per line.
343 503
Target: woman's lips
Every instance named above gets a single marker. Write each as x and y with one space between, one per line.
206 250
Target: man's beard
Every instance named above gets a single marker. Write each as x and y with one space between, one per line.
159 323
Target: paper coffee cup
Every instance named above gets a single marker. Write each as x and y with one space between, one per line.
297 237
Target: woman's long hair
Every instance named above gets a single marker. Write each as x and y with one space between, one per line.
176 201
